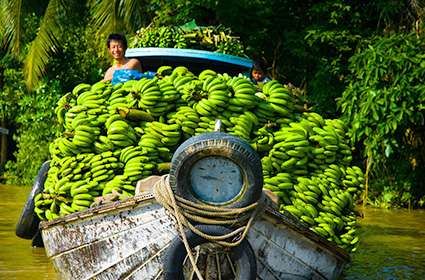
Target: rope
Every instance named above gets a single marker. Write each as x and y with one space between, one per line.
185 212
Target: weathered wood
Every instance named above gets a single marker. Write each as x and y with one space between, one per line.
125 240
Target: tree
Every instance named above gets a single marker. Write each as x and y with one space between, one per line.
104 15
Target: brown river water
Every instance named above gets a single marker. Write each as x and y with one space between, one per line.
392 244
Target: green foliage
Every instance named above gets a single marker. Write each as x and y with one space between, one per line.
332 38
29 114
37 128
384 104
11 87
79 60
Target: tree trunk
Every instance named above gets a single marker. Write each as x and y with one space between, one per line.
3 144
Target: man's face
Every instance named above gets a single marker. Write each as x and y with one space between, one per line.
116 49
257 75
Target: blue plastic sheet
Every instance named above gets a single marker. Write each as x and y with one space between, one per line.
124 75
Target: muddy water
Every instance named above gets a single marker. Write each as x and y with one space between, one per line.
18 260
392 244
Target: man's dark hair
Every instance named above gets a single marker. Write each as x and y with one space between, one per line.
116 37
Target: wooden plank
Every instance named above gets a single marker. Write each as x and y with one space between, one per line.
286 254
117 255
67 236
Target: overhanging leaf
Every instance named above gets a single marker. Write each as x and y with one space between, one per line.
45 44
10 24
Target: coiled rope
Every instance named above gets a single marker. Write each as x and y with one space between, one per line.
185 212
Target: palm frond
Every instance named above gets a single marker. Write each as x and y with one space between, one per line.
131 12
10 24
418 7
105 16
45 44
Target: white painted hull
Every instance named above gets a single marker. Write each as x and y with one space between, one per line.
126 240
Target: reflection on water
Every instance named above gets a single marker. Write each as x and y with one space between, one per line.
392 244
18 260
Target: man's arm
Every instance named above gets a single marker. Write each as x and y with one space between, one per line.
134 64
108 74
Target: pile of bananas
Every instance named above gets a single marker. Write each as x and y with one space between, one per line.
114 136
211 38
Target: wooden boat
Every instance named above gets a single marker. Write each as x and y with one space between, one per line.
129 239
126 240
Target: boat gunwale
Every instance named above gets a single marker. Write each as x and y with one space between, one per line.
285 218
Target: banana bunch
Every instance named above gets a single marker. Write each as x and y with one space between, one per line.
213 38
191 92
90 104
163 37
281 184
353 181
104 166
205 124
66 178
187 86
164 70
264 140
279 98
64 103
264 111
103 144
168 134
62 147
120 185
291 151
242 92
206 73
93 96
187 118
214 97
118 98
320 202
169 94
145 94
84 136
153 148
120 133
331 145
138 167
135 164
46 206
179 41
243 125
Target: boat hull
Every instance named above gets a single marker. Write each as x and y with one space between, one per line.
126 240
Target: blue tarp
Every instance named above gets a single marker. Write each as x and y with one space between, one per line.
124 75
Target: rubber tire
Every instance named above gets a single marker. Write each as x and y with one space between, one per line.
37 240
243 255
28 222
217 144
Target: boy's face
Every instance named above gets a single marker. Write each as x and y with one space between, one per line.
257 75
116 49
